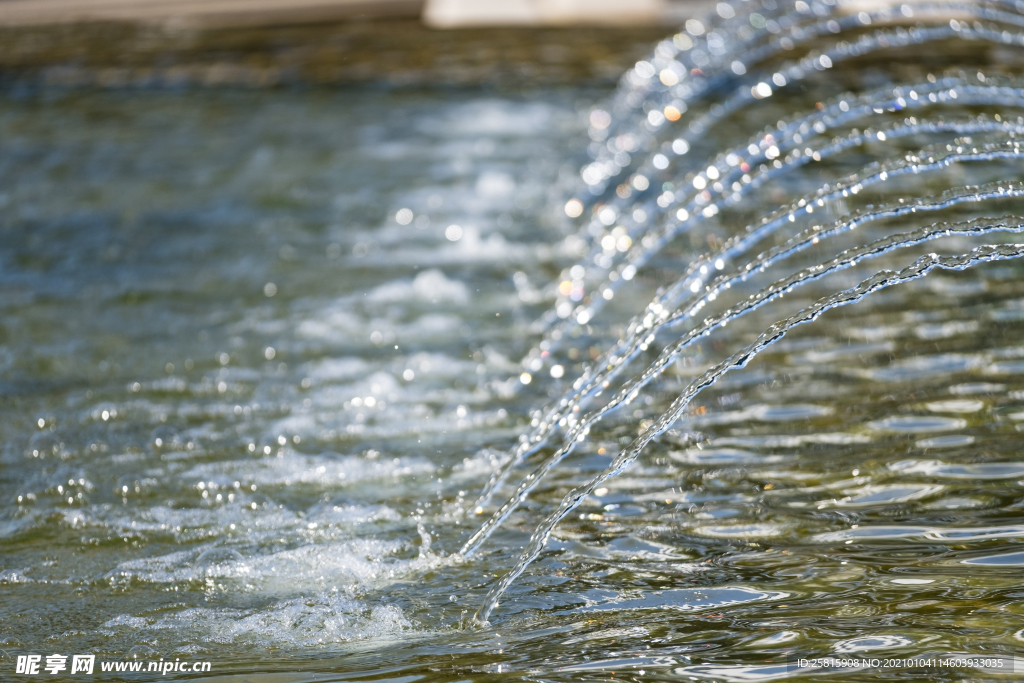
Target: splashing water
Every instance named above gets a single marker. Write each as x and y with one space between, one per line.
732 176
262 403
739 360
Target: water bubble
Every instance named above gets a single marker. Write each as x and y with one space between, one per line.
214 559
44 444
166 436
144 652
11 576
600 120
644 69
129 485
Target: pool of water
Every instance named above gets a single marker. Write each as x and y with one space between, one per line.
262 350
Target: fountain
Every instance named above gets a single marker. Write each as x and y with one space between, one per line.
263 408
691 83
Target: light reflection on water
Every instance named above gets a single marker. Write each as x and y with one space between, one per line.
253 380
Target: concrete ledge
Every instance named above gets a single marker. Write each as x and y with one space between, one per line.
472 13
389 52
200 13
442 14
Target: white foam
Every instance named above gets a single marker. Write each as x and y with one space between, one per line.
336 369
322 619
329 469
332 323
348 566
430 285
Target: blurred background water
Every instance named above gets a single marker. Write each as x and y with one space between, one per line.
261 336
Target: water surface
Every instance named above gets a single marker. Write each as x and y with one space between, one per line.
261 351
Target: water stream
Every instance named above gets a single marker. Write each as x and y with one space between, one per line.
695 379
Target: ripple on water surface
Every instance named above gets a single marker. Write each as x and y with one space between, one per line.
262 351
